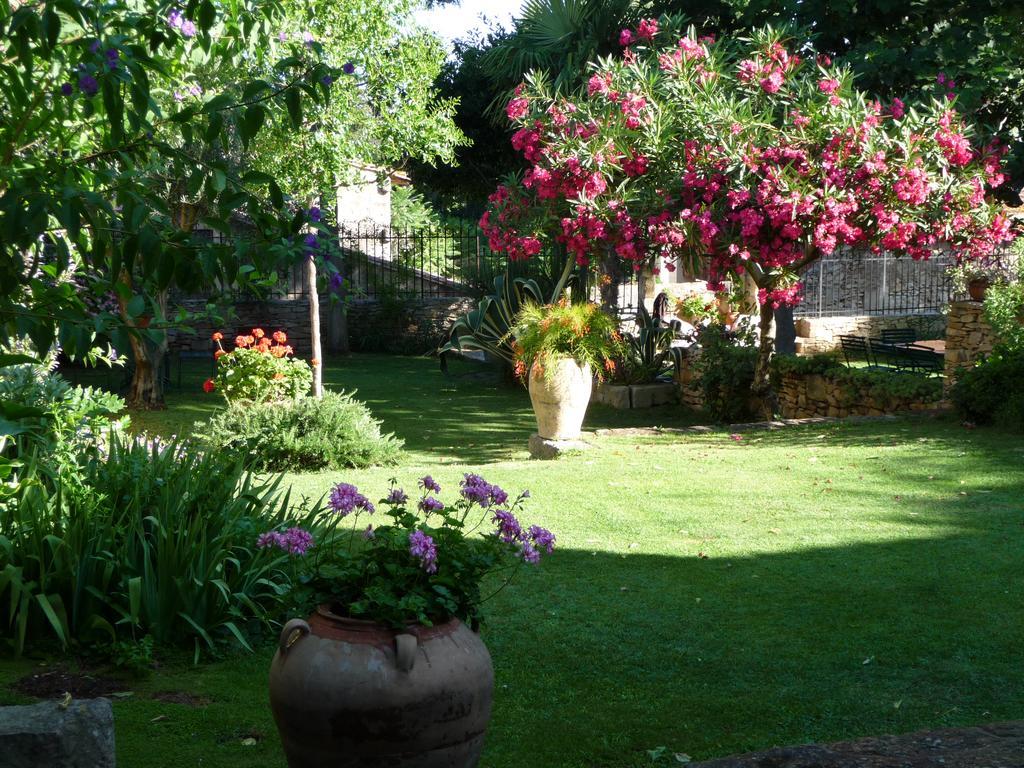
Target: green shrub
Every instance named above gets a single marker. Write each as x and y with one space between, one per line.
307 434
991 392
725 370
150 539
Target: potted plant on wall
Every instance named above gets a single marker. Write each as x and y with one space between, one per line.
389 668
560 348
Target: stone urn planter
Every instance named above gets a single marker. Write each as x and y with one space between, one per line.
353 693
560 393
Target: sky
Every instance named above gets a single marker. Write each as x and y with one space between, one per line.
454 21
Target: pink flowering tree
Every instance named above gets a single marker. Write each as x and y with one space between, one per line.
746 157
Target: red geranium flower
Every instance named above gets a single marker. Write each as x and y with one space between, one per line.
218 336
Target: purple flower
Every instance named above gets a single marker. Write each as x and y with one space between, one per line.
337 281
298 541
175 18
88 85
349 68
542 538
431 504
509 529
113 56
282 36
269 539
397 496
346 498
428 483
479 491
294 541
327 80
307 38
315 213
94 46
421 546
310 240
528 553
67 89
188 28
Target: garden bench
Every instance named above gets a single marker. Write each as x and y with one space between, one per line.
856 349
899 335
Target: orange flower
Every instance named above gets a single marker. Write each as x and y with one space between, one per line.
258 333
208 386
279 337
241 342
219 354
264 345
250 340
314 362
218 336
277 351
278 376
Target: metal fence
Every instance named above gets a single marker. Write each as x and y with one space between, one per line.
876 284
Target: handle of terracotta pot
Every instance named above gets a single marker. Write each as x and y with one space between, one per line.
405 651
289 636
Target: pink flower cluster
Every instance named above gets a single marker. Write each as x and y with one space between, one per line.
780 297
817 181
768 68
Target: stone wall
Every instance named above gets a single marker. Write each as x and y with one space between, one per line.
412 326
968 337
802 396
821 334
690 394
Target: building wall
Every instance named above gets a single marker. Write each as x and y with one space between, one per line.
365 201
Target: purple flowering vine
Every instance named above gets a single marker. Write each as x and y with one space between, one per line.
88 85
315 214
349 68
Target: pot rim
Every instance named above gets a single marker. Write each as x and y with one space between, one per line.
374 630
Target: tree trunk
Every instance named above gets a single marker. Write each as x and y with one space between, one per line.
146 391
610 277
762 386
314 325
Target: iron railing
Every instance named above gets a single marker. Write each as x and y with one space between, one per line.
870 284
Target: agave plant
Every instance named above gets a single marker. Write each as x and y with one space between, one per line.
647 353
488 328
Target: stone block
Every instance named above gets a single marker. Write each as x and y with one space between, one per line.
542 448
649 395
48 734
615 395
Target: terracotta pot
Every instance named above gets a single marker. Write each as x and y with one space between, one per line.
560 394
353 693
977 288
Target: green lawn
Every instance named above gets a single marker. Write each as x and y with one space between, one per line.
709 595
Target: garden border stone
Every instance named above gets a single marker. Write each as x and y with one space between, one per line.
76 734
